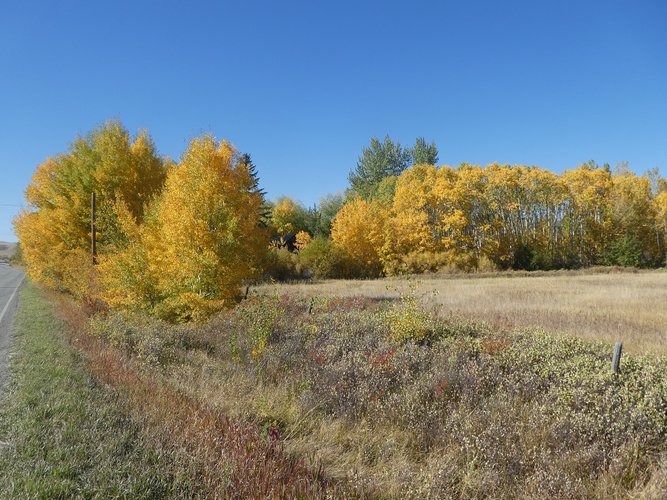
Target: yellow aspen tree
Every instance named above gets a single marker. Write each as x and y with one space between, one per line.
503 195
430 221
414 211
548 194
55 230
407 236
465 218
358 230
660 203
539 197
288 217
42 229
127 279
472 202
209 238
587 217
42 247
449 219
633 215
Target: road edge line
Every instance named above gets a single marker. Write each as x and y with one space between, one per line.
2 314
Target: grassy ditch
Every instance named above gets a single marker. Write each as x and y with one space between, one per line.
64 435
395 402
80 420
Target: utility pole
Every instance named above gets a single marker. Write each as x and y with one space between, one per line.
93 235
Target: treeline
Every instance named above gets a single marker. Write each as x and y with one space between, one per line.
399 219
179 240
509 216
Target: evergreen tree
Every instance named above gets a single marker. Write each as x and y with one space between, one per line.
376 162
246 161
330 205
423 153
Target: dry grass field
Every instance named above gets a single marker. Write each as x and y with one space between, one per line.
614 306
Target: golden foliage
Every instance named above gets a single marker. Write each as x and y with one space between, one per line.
358 230
514 217
176 241
127 279
303 239
288 217
207 238
55 232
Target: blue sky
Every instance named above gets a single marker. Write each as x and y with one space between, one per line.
303 86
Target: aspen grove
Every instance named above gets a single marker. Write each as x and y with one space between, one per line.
179 240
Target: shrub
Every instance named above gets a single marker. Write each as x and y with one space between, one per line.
624 252
152 342
408 321
323 259
424 261
486 265
283 265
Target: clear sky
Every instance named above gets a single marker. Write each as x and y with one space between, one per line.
303 85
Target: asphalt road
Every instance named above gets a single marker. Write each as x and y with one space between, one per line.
10 281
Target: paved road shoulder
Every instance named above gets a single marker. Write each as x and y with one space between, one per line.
10 281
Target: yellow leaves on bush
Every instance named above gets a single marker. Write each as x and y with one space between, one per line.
407 320
358 230
79 275
127 279
302 240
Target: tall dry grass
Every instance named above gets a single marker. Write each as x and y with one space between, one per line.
613 306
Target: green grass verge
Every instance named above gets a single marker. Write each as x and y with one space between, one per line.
62 434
